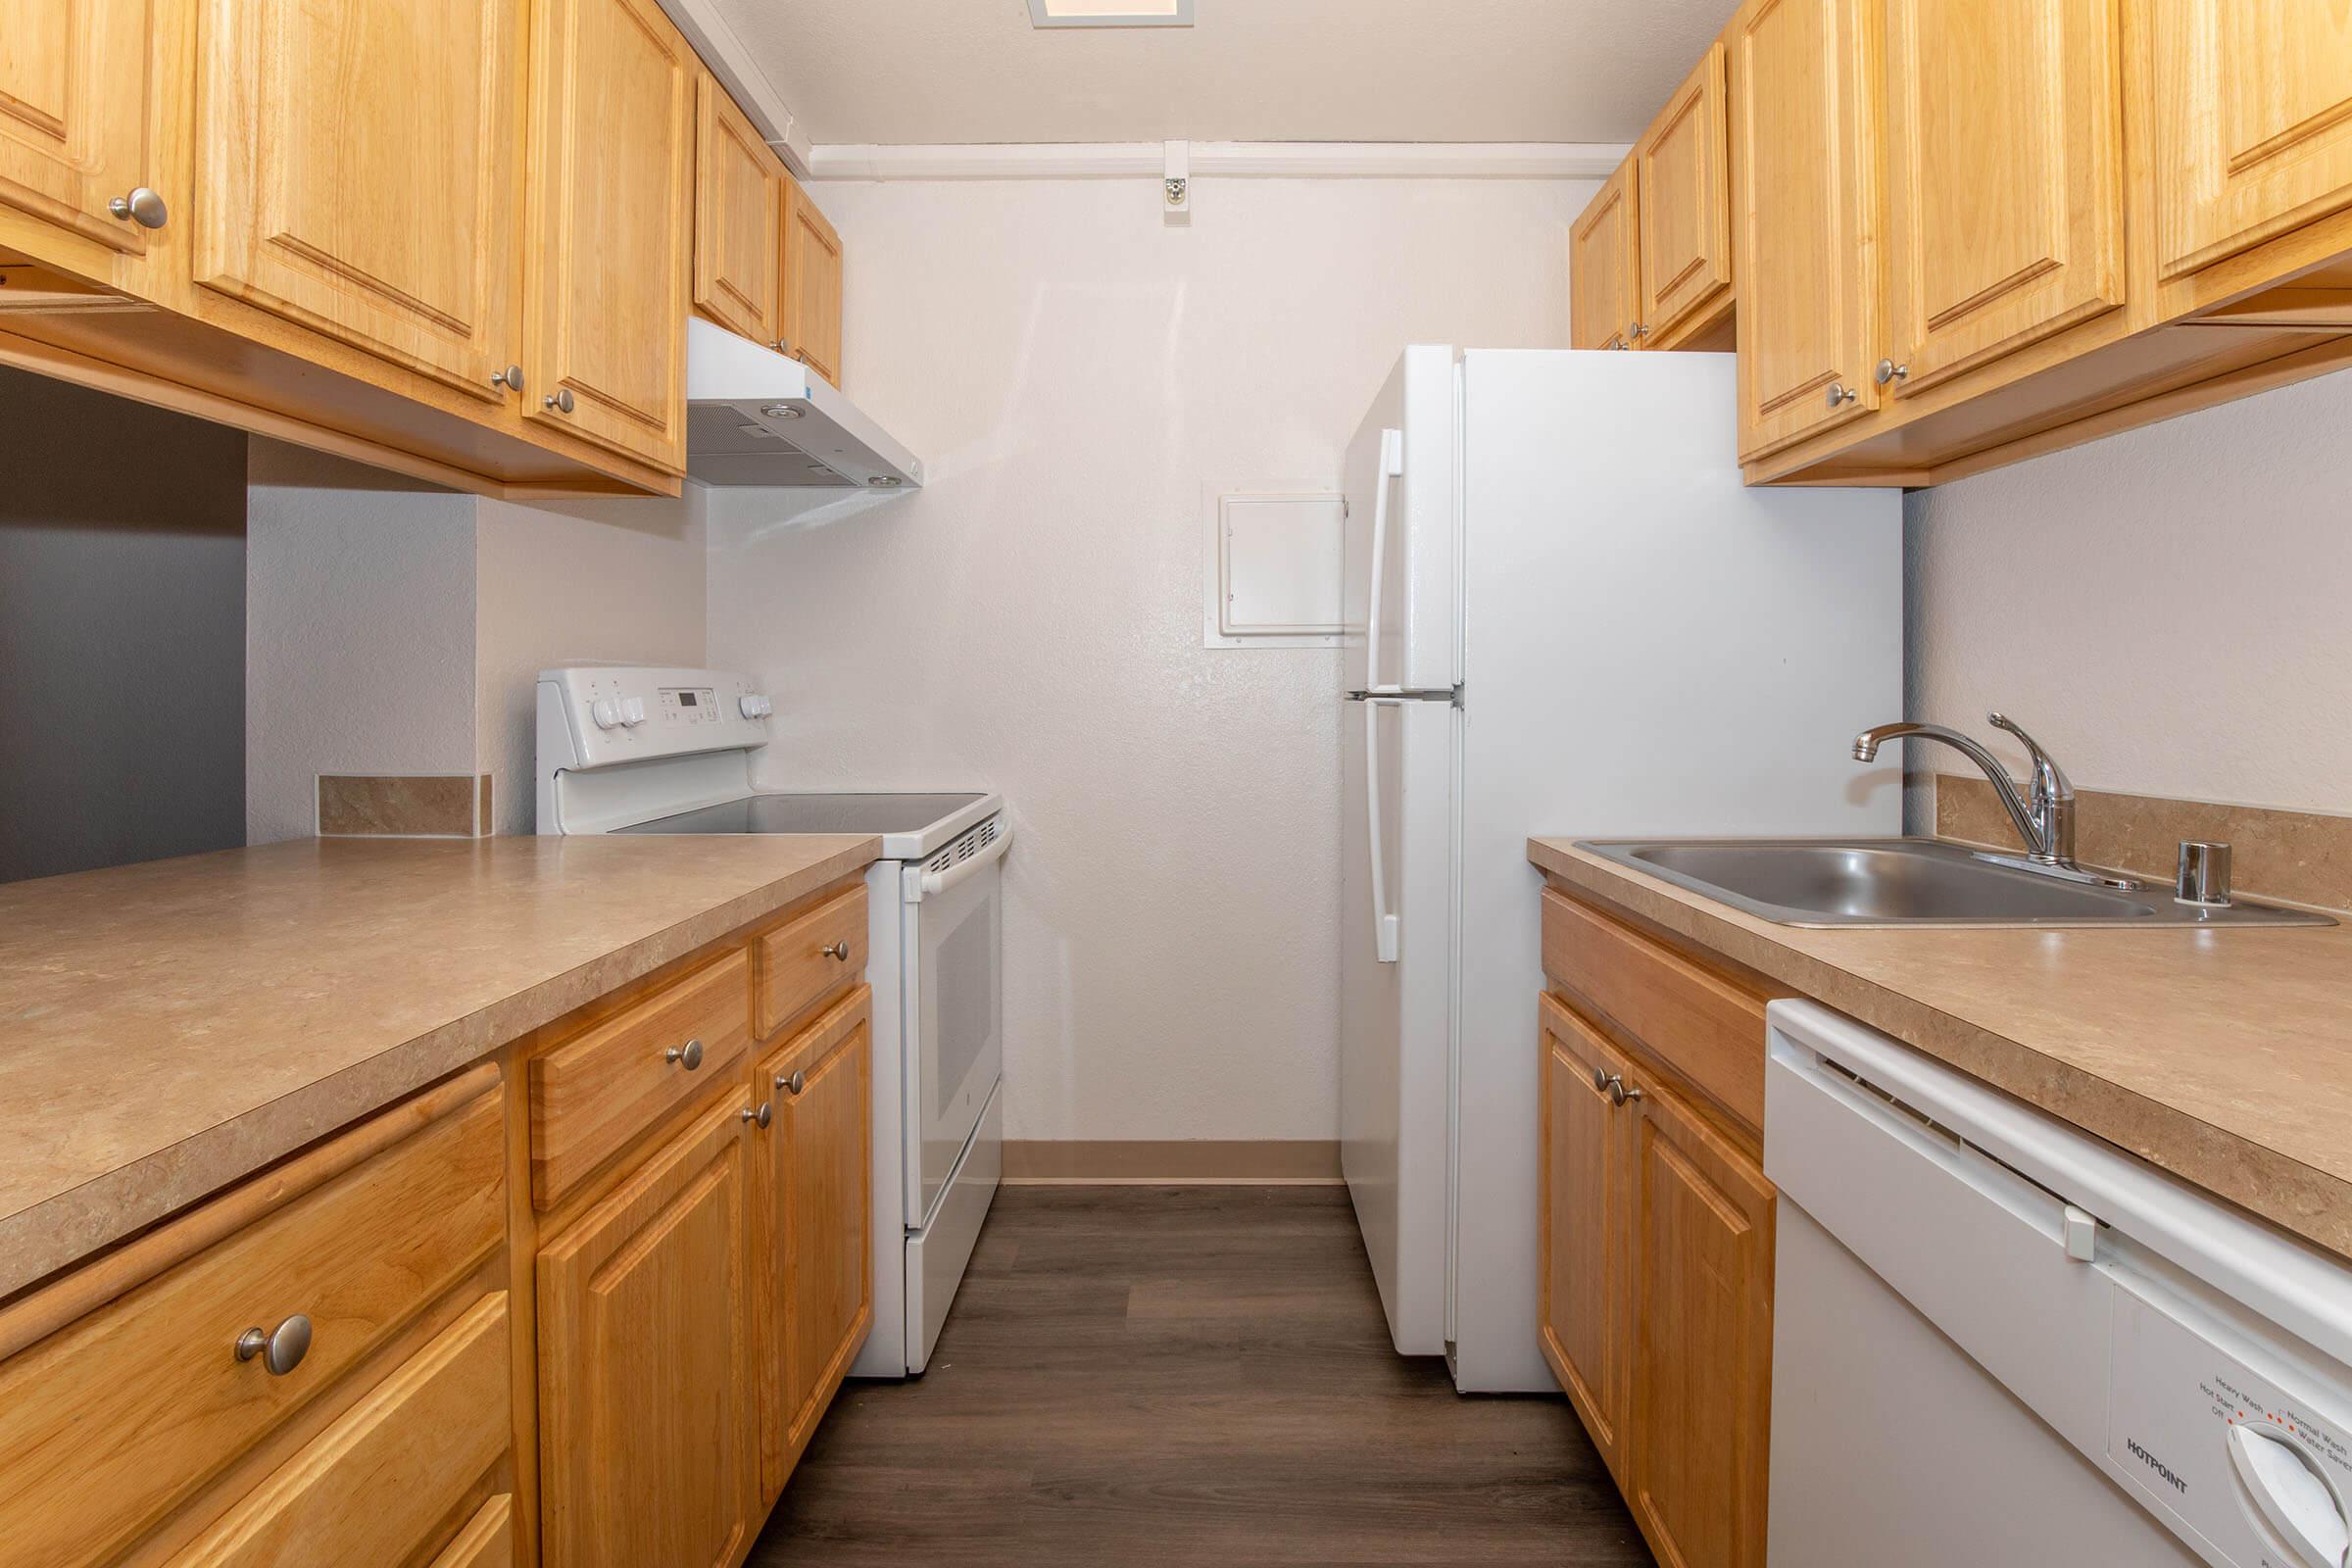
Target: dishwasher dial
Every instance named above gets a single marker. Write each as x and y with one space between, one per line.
2292 1497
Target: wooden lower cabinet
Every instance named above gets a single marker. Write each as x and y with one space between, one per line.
1700 1278
1583 1214
645 1415
1656 1292
814 1207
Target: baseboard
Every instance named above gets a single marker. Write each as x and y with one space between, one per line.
1172 1161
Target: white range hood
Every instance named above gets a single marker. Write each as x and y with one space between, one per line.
757 419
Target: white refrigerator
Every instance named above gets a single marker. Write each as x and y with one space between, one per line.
1566 615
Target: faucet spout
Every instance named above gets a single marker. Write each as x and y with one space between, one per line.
2037 842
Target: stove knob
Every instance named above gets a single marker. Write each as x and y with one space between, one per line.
605 712
632 711
753 706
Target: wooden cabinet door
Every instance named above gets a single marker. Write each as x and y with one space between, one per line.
2004 176
738 219
644 1364
1585 1309
812 285
816 1206
1805 194
1683 170
2253 111
1602 297
357 171
1701 1245
607 264
75 86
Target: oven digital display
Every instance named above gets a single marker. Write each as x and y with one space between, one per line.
690 705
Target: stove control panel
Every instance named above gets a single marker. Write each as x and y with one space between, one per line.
611 713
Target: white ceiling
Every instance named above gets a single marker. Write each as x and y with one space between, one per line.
976 71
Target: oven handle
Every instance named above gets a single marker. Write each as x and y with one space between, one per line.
932 882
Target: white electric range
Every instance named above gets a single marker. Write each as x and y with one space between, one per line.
626 748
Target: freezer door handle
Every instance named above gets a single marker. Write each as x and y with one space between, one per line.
1375 695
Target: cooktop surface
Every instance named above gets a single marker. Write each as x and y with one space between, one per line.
813 814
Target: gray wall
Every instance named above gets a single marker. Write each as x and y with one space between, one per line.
121 631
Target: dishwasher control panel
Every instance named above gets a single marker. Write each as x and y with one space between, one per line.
2253 1474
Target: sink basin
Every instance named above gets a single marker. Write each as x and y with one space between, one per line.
1907 882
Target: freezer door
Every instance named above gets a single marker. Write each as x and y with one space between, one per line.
1401 488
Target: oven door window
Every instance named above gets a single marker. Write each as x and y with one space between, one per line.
959 946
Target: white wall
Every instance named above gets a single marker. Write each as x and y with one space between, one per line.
394 627
358 617
569 583
2168 610
1073 371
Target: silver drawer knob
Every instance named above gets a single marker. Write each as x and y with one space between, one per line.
688 1055
281 1349
559 401
142 207
1889 371
792 1083
762 1115
839 950
510 378
1841 394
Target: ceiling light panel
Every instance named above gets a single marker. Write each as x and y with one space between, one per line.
1111 13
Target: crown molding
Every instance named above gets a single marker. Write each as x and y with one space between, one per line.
1327 160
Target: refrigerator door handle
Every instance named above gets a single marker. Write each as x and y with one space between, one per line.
1393 695
1392 464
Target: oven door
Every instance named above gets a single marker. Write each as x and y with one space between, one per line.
955 1001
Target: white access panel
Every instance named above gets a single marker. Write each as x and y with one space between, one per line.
1278 565
1648 648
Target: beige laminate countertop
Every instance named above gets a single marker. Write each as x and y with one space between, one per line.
169 1027
2224 1055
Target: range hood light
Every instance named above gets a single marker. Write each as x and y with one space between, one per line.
781 411
885 481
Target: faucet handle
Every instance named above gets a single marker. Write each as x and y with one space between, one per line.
2048 776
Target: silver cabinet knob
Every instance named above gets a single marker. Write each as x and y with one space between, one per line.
281 1349
142 207
778 346
761 1115
1636 332
1889 371
1601 1080
688 1055
792 1083
510 378
1841 394
839 950
559 401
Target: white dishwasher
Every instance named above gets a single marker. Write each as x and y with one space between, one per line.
1999 1342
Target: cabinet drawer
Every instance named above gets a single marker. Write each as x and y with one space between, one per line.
595 1095
110 1422
378 1486
801 961
1705 1025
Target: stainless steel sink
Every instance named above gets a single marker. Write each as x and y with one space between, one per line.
1908 882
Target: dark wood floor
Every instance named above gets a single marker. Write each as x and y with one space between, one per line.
1186 1375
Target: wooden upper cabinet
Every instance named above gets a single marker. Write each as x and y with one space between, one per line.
1805 162
1683 170
812 285
358 172
75 86
2253 122
1603 289
645 1409
605 276
2004 177
739 187
1585 1304
1701 1245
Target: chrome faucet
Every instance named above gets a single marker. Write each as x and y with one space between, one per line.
2044 816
